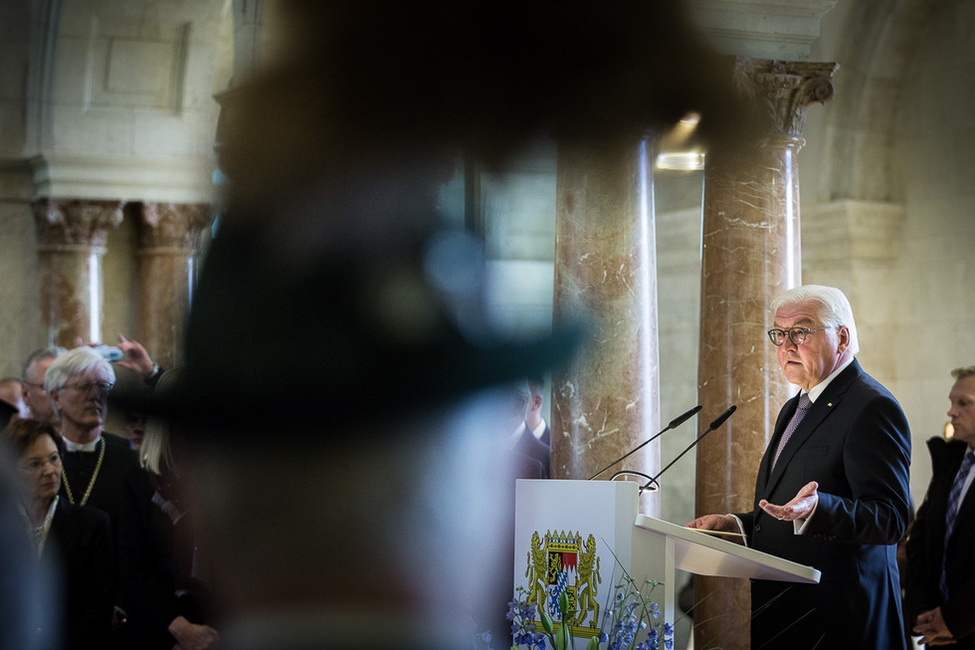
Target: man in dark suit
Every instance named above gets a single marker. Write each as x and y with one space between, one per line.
941 577
523 441
841 471
534 419
38 403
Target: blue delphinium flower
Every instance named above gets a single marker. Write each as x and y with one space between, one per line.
629 612
512 615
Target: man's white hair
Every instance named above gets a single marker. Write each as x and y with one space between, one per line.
832 307
75 362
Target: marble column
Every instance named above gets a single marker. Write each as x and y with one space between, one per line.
71 237
750 254
169 245
606 402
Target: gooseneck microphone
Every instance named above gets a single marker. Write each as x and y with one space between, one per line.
676 422
718 421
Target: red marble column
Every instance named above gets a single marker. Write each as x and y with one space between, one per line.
750 254
169 245
71 236
606 402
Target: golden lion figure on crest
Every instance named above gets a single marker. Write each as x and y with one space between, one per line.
537 572
586 589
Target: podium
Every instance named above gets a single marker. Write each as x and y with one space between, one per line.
578 537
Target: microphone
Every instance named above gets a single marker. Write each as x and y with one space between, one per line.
676 422
718 421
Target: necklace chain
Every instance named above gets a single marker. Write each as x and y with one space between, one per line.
91 483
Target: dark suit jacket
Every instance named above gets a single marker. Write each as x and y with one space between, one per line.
531 446
79 543
925 548
856 444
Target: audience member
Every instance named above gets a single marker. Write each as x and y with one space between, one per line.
135 429
522 440
28 591
534 419
12 394
164 595
78 538
523 466
39 406
940 562
839 461
8 414
95 461
78 383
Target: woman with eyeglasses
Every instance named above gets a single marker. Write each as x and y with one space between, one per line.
75 539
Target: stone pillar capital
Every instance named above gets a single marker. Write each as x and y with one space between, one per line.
780 91
169 244
172 226
75 224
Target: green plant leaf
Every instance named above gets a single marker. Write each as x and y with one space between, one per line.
547 623
563 640
593 643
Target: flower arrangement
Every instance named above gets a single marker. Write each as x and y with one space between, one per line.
630 612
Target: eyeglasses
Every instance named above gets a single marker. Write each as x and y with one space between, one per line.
39 387
796 334
84 387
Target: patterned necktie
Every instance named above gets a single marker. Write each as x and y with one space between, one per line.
804 404
951 516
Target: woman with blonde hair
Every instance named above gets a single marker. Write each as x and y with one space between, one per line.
158 561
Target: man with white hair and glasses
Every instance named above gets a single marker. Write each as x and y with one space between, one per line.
838 461
78 383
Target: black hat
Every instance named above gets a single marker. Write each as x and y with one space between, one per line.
7 412
298 324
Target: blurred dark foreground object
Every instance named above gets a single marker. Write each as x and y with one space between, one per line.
345 450
358 82
329 287
353 334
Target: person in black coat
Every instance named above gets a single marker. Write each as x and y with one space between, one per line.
523 442
534 419
843 477
162 590
76 539
943 614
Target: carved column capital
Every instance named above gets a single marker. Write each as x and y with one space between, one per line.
780 91
172 226
75 224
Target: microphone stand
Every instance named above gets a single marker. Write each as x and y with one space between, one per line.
676 422
718 421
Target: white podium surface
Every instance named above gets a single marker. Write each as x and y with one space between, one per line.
703 554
